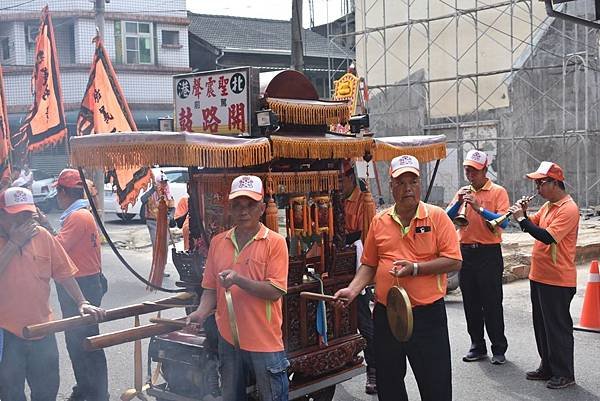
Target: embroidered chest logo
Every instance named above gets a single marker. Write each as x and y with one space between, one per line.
422 229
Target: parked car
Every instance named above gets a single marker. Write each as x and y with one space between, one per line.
41 187
178 178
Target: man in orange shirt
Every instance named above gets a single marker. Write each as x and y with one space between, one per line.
79 236
182 220
354 224
482 268
553 275
26 267
412 244
248 265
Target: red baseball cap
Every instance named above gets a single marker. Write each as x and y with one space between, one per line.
16 199
547 170
69 178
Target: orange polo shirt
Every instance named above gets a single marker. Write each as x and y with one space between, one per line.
430 235
80 238
353 211
25 283
263 258
554 264
492 197
182 209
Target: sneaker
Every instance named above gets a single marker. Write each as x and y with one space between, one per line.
537 374
556 382
498 360
371 385
474 355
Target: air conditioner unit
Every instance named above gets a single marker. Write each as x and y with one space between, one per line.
31 33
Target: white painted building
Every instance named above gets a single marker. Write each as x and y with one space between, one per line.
147 41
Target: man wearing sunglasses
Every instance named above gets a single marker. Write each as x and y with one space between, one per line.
553 275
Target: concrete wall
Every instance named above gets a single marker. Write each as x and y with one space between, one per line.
446 57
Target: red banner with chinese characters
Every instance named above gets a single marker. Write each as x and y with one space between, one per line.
104 109
45 124
4 138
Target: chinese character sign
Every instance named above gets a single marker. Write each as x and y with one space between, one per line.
215 102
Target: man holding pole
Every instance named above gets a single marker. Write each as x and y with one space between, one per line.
79 236
27 263
245 278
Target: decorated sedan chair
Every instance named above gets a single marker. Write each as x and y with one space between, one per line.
300 163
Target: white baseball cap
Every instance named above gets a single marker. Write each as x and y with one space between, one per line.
247 185
16 199
476 159
404 164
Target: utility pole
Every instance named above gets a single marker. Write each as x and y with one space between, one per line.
297 47
98 174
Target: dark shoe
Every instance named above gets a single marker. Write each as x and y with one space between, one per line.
371 385
556 382
76 396
474 355
498 360
537 374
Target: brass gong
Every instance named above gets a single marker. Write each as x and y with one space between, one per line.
232 320
399 313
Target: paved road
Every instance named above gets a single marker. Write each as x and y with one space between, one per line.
473 381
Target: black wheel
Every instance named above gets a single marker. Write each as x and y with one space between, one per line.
143 214
126 216
325 394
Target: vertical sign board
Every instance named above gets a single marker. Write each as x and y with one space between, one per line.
217 102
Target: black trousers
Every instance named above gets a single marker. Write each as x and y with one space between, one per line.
89 367
553 327
33 360
428 352
365 324
481 287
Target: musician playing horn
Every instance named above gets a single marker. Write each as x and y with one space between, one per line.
411 244
481 274
553 275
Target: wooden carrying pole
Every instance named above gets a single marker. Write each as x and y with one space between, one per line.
128 335
41 330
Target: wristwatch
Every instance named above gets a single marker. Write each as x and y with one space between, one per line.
415 269
520 219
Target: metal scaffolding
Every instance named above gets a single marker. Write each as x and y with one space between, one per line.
497 75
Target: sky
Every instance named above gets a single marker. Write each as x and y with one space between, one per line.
269 9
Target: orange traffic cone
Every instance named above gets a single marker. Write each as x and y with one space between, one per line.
590 314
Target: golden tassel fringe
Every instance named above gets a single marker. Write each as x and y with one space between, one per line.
320 148
130 156
322 113
301 182
424 154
